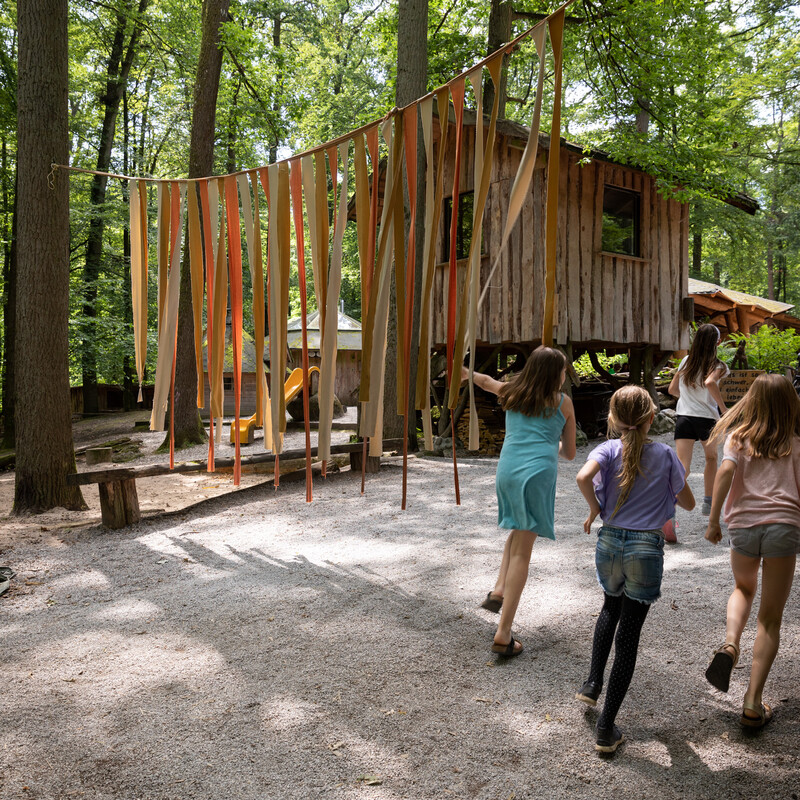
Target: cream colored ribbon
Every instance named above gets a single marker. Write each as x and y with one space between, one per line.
372 412
220 307
556 25
254 261
433 211
196 272
328 364
522 180
163 188
169 326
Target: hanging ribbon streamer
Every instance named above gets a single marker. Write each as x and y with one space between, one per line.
433 211
163 197
457 90
467 323
260 322
363 219
321 243
328 366
196 272
296 187
138 228
279 257
253 236
410 129
522 180
220 306
169 327
556 26
208 255
372 414
235 278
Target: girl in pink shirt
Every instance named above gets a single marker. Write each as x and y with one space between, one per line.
760 476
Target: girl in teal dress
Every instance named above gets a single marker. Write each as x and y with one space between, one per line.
540 426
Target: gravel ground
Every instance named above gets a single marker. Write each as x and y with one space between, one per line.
255 646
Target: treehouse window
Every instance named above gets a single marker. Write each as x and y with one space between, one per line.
227 384
621 221
463 229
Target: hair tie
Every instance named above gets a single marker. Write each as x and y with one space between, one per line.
631 427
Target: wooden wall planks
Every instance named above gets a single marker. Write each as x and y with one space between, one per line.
603 299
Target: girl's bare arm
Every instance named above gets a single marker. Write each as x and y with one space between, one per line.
482 381
712 384
722 485
566 446
675 385
585 484
685 498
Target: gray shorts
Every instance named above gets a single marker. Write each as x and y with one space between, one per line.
774 540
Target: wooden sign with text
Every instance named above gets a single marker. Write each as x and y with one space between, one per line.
734 387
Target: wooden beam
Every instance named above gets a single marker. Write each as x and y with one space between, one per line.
116 474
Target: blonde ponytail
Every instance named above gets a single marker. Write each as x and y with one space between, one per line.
631 408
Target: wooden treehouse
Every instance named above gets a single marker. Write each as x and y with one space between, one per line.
622 256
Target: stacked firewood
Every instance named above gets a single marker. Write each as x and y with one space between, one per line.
491 425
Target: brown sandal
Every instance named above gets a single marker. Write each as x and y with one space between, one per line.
764 716
719 670
493 603
508 650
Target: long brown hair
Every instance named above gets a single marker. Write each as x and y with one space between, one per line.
630 409
765 420
702 360
534 391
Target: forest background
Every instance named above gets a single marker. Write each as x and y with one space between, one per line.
702 94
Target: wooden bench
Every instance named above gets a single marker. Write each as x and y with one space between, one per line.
119 503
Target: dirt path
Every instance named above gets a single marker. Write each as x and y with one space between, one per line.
257 646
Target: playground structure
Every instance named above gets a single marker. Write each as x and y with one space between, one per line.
292 387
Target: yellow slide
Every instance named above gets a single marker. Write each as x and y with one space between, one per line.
292 387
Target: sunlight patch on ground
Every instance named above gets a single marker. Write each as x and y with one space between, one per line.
90 579
127 611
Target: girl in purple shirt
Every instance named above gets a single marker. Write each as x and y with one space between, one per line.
633 484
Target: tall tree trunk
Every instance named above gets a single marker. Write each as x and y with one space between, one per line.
697 252
188 427
126 312
498 34
770 272
43 420
10 324
119 66
412 78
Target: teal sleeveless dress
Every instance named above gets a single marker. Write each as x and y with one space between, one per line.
527 471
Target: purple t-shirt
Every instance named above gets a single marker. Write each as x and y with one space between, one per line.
651 501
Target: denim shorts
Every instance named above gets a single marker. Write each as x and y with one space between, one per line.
630 563
773 540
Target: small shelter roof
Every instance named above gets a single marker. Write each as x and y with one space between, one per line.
735 311
738 298
348 329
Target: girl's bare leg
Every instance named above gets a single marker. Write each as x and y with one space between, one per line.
776 583
745 573
500 586
683 449
710 470
520 544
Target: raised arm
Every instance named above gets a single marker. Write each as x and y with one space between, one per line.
482 381
586 485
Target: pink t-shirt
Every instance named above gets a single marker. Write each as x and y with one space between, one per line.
764 490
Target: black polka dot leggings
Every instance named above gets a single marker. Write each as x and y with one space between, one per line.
625 617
